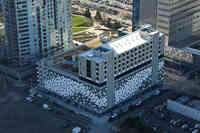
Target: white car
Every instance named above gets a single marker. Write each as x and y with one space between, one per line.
138 103
157 92
46 107
114 115
184 126
39 95
197 125
195 131
29 99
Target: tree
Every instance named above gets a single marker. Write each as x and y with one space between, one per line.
117 25
108 22
88 13
98 15
135 125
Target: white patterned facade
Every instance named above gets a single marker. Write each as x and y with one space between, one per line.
142 56
92 97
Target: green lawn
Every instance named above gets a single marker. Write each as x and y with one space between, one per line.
75 30
82 22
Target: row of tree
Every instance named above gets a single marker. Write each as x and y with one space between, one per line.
107 22
135 125
88 14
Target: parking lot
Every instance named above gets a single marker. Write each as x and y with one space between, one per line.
31 116
163 120
22 116
154 113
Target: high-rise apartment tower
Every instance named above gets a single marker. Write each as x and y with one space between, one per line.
36 28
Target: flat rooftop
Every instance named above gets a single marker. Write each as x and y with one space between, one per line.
68 54
125 43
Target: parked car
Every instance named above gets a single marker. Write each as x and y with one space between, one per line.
29 99
195 131
197 126
46 107
157 92
113 115
185 126
138 103
39 95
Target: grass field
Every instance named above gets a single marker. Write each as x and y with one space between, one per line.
80 23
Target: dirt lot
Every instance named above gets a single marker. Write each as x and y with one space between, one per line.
16 116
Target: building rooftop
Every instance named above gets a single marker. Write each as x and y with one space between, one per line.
124 43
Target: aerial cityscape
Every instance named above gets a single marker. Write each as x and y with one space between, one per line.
99 66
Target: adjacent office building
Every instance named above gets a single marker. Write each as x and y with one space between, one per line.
135 14
178 19
144 12
36 28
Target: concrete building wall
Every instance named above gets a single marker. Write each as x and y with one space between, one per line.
93 97
196 22
17 27
110 80
155 59
128 60
178 19
4 51
148 12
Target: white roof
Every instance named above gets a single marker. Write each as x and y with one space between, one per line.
126 43
123 44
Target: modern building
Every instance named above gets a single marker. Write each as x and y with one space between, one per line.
100 78
144 12
36 28
178 19
135 14
130 52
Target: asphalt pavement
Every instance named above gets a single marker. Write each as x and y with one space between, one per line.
154 119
